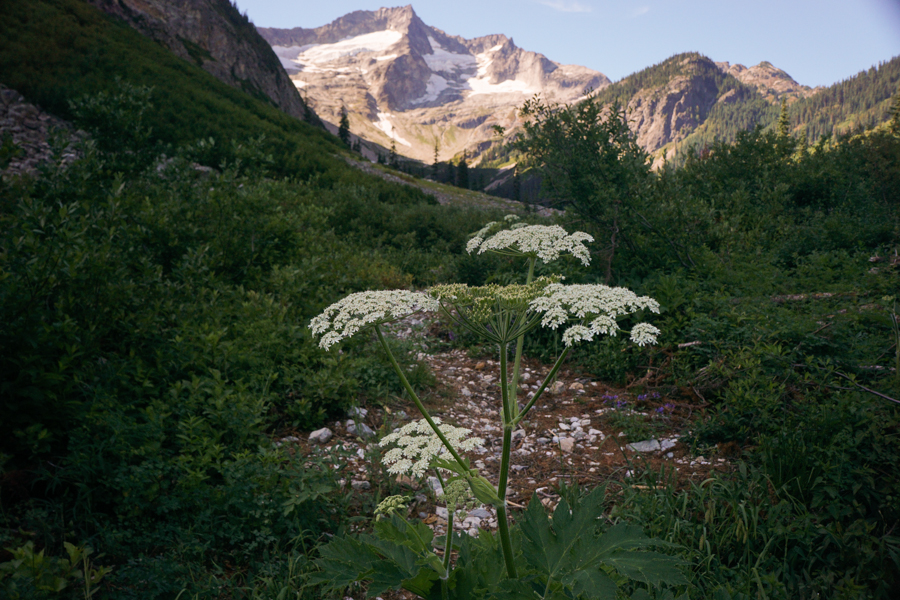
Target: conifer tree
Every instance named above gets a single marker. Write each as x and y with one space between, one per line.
895 114
784 124
462 172
435 164
517 184
344 126
392 157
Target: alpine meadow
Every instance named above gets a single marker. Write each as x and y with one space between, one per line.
247 353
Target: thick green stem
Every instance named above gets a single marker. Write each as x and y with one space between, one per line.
507 430
547 380
418 402
505 541
448 541
502 521
519 343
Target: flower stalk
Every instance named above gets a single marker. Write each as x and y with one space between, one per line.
501 315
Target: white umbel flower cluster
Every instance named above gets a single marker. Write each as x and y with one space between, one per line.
346 317
546 242
417 445
596 307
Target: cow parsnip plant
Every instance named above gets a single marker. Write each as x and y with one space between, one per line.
538 558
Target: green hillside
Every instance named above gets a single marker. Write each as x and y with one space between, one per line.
56 50
859 102
159 380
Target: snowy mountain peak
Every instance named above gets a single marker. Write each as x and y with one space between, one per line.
407 82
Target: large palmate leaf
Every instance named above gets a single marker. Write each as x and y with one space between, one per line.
615 548
479 567
416 536
398 555
343 562
568 552
567 545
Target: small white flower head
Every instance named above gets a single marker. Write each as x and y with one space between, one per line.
391 505
363 309
417 445
546 242
596 308
644 333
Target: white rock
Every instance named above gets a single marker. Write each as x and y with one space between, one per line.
567 444
435 485
321 436
465 392
359 429
360 485
666 444
644 446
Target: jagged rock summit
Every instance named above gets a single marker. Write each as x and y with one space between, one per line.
769 80
216 37
405 82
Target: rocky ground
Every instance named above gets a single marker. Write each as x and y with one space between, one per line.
30 129
583 431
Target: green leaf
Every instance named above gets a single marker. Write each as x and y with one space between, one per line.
479 566
564 547
623 537
416 536
649 567
343 561
591 583
515 589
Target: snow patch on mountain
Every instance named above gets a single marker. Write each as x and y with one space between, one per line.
314 55
481 83
384 124
436 84
287 54
443 61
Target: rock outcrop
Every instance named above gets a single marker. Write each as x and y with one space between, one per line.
671 112
769 80
215 36
29 130
413 85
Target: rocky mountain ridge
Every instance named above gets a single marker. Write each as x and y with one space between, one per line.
773 83
405 83
214 35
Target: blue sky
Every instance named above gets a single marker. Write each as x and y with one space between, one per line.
818 42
